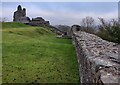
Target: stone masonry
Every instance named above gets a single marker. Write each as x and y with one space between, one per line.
39 21
20 16
97 58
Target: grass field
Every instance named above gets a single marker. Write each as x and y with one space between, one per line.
35 55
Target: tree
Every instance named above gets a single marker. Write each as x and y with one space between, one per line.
88 24
109 30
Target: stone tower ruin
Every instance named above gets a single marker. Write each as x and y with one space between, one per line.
20 15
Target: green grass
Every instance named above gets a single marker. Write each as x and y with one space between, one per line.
13 25
35 55
0 53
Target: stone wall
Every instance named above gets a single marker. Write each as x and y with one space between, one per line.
39 21
20 15
98 59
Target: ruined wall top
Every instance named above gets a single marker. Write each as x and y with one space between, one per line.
38 19
99 54
19 7
97 48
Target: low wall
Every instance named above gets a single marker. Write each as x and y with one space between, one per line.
97 58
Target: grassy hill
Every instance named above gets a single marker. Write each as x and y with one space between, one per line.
13 25
35 55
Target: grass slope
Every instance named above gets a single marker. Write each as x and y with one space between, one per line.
35 55
13 25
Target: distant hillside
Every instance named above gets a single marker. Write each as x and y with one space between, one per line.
63 28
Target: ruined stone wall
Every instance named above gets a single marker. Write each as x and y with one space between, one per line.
20 16
98 59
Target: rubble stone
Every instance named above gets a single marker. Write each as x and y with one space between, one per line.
97 58
38 21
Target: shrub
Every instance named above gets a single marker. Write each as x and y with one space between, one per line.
109 30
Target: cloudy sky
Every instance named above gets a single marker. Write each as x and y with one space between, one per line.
67 13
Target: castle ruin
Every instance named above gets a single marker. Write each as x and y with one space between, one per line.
20 16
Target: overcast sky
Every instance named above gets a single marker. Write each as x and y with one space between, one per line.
67 13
